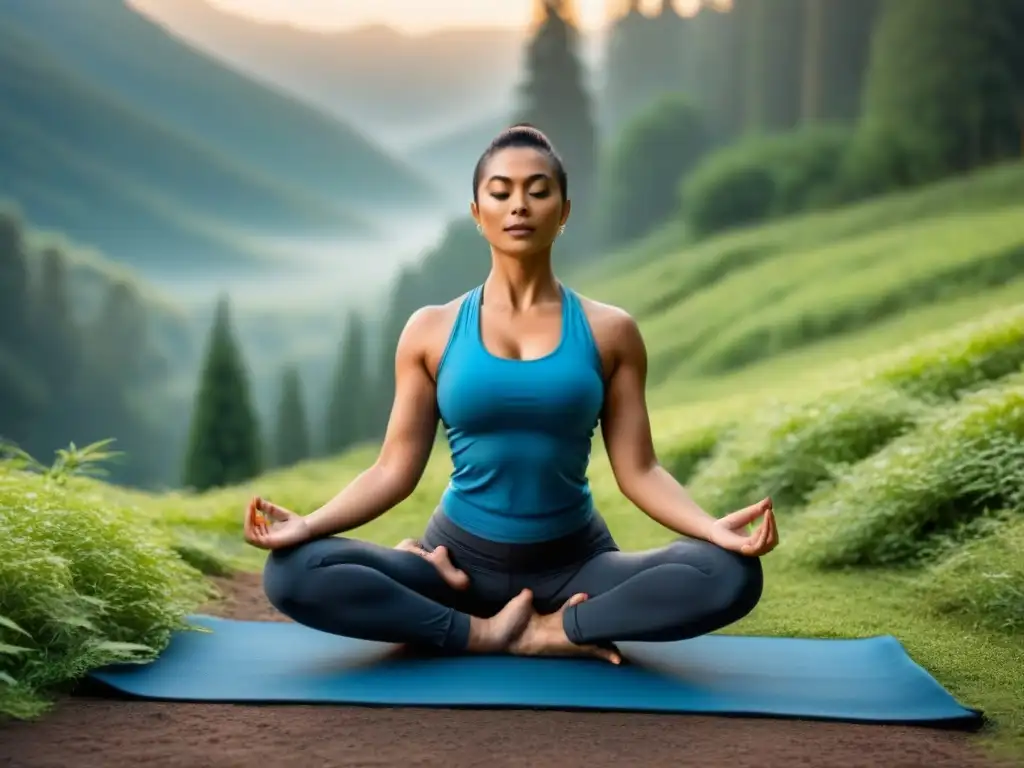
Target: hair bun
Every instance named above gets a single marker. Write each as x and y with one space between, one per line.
531 130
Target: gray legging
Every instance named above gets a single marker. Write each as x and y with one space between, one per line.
371 592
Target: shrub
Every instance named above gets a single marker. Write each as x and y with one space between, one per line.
82 584
865 281
949 363
983 580
641 176
763 177
787 449
961 460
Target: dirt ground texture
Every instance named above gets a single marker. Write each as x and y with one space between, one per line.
93 731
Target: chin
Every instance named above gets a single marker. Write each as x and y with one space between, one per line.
524 248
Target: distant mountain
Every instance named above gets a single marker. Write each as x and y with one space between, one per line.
449 159
256 125
401 87
79 160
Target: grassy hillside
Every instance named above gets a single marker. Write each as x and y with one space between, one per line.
112 45
79 159
894 449
779 296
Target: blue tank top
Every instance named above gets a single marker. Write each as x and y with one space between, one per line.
520 431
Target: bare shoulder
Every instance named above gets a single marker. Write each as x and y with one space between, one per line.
427 330
612 326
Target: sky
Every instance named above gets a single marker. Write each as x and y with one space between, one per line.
413 16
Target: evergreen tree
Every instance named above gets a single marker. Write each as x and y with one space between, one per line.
224 441
23 395
941 96
58 355
15 295
773 34
719 57
291 440
555 99
351 399
647 58
838 60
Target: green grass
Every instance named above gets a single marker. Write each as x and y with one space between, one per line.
894 452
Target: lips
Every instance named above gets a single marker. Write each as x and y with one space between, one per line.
519 229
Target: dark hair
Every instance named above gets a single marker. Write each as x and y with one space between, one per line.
522 135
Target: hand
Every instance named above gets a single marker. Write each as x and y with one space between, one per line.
729 532
268 526
452 576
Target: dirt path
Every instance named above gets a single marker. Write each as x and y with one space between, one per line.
94 732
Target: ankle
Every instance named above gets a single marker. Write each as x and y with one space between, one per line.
479 634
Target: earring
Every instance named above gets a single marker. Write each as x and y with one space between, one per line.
561 230
479 229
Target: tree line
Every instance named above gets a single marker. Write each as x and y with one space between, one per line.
748 109
72 376
226 441
765 107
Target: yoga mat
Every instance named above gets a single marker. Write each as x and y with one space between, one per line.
872 680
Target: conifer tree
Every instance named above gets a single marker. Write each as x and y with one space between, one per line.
555 99
20 398
57 355
351 405
224 443
941 90
291 439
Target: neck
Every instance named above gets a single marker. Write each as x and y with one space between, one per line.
521 283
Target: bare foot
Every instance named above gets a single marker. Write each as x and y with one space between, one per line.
453 577
494 634
545 636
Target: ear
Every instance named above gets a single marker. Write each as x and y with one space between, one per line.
474 211
566 210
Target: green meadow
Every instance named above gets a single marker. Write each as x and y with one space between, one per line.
863 366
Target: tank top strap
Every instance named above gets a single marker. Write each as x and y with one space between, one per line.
577 328
465 329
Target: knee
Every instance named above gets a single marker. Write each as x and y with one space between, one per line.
737 581
286 578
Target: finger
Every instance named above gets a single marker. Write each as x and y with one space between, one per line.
755 541
747 515
273 510
249 518
771 538
773 535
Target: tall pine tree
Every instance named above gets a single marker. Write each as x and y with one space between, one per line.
22 391
291 438
224 444
351 404
555 99
58 355
941 95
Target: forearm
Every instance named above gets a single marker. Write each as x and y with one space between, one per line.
662 498
367 497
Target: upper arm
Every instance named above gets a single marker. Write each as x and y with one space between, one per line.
412 425
626 425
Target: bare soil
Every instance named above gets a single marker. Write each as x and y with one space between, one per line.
90 730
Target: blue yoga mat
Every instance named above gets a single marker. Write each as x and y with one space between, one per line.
871 679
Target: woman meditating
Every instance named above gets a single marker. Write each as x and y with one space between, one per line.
516 559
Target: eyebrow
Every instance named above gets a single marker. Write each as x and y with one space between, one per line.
534 177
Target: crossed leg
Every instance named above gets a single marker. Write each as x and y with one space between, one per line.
675 592
367 591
